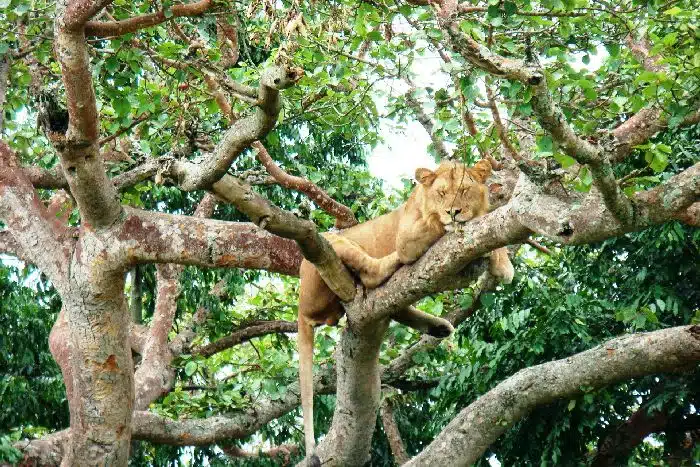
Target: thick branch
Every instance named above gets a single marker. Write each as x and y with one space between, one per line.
46 178
147 237
640 127
80 156
469 434
343 215
155 374
244 334
572 221
118 28
41 237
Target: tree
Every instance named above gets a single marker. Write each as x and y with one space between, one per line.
125 154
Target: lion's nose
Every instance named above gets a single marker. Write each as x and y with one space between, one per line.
453 212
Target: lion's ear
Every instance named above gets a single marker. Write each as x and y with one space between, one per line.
481 170
425 176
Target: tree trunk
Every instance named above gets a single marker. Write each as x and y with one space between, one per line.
357 399
102 371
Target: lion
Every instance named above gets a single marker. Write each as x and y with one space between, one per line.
451 195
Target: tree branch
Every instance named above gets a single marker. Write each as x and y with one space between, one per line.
244 334
4 71
549 115
391 430
79 150
649 120
313 246
395 370
500 128
119 28
343 215
40 237
158 429
284 451
155 375
615 447
244 131
476 427
150 237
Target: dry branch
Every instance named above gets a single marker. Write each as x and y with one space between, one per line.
118 28
244 334
391 430
343 215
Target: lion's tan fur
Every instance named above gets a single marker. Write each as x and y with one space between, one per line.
374 249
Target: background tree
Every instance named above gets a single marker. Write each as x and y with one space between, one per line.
134 131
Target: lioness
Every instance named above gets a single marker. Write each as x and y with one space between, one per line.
454 193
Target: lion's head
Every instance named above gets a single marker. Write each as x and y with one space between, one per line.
453 193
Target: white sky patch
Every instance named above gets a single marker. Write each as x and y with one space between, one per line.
405 146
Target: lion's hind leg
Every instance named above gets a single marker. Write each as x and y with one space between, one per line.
372 271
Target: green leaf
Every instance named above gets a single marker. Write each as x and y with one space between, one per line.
374 36
488 299
190 368
673 11
564 160
545 144
572 404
